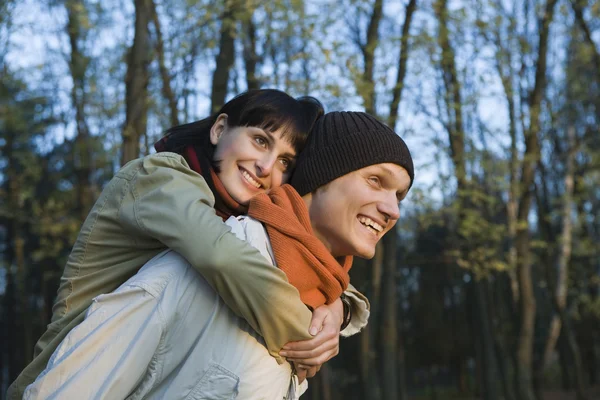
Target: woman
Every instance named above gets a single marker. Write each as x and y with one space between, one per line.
167 200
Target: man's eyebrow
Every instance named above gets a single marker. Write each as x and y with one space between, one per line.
387 170
390 174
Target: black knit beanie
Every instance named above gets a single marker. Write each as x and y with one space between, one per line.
342 142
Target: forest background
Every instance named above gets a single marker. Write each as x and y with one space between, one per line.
490 287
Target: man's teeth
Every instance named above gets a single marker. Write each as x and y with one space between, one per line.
251 180
370 224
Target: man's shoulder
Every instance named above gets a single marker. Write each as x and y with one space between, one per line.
254 233
166 269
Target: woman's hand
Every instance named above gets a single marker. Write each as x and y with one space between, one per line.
304 371
309 355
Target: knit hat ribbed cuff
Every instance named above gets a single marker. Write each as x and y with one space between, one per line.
348 153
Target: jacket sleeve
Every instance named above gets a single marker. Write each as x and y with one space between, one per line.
106 355
360 311
173 204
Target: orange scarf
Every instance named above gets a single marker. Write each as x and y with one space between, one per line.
308 264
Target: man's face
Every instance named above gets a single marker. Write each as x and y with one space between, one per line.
351 213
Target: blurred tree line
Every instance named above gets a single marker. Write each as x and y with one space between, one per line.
489 289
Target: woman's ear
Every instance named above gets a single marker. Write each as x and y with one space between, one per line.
218 128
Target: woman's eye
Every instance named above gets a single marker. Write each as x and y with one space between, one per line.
285 162
261 141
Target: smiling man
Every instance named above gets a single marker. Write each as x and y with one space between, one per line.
165 333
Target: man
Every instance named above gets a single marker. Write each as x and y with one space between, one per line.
165 333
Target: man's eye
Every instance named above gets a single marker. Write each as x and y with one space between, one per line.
374 180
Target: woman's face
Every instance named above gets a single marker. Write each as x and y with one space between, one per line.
251 160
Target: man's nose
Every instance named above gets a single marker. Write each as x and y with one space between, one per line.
389 206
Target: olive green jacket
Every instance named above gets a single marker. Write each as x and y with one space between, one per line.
158 202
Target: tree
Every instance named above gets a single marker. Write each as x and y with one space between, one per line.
136 84
24 119
78 65
165 75
226 55
523 249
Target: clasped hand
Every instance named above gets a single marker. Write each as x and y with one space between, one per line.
308 356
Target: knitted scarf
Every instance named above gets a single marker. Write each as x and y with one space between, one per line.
308 264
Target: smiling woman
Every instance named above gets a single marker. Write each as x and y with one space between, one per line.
249 159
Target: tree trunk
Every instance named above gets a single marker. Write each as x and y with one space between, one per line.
369 334
368 53
16 296
251 58
396 347
14 362
78 65
564 359
527 307
452 100
164 72
136 84
325 378
402 62
564 258
578 9
489 385
226 56
389 337
530 159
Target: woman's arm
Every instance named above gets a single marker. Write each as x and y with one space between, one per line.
171 203
326 320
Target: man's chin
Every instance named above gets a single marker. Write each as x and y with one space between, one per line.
366 253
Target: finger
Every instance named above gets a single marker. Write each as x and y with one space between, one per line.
320 359
326 334
301 374
312 353
318 319
310 371
327 347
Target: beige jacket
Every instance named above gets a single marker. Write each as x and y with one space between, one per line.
158 202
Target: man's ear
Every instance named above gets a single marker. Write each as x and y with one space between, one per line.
218 128
308 198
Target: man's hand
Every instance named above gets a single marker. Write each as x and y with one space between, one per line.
325 327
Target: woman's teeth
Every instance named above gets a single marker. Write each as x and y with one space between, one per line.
251 180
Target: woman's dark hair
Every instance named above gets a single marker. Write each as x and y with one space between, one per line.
268 109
